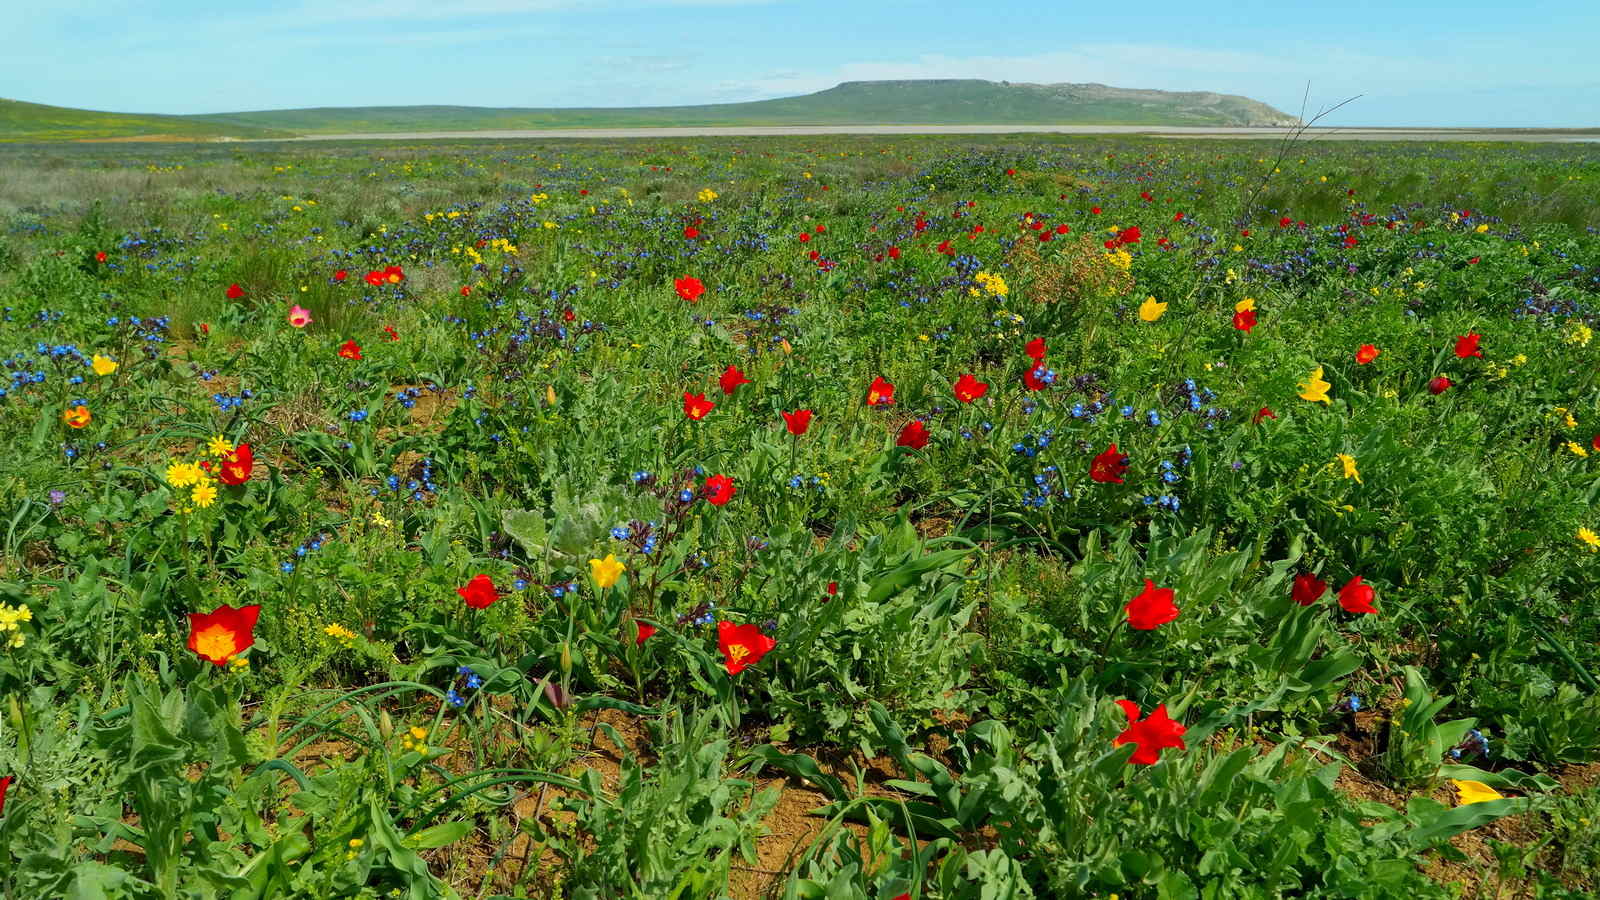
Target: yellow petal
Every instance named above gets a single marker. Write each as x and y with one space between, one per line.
1475 792
1151 310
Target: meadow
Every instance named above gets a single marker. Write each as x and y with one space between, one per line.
800 517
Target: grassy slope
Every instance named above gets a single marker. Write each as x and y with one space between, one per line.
865 103
20 121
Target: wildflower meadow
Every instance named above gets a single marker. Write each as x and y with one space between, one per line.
803 517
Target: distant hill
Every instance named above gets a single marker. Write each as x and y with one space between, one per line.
920 102
21 121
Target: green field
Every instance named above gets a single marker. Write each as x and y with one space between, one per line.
836 517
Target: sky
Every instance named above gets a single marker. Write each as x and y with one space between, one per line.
1458 63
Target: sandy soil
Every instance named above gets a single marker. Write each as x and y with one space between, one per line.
1323 134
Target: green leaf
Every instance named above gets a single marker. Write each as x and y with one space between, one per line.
1463 818
439 835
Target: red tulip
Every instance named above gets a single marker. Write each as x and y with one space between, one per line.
1367 353
1108 466
797 422
742 646
1151 608
1035 350
914 435
1033 379
1263 413
880 392
235 292
350 350
968 388
689 289
731 379
223 633
5 785
1307 588
1439 385
1244 320
718 490
100 257
645 631
696 406
340 275
690 232
479 592
1467 345
1154 734
236 466
1356 597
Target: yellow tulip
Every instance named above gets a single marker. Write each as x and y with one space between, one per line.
1475 792
1315 389
1150 310
606 571
103 365
1245 304
1350 467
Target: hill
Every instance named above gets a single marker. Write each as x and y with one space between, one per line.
21 121
925 102
920 102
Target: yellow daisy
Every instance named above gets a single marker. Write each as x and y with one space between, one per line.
1590 538
183 474
204 494
220 446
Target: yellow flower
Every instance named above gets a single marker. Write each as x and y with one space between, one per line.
183 474
1315 389
1151 310
707 195
1482 227
1577 333
11 618
1350 467
1590 538
220 446
1475 792
103 365
340 633
204 494
606 571
1247 303
1576 449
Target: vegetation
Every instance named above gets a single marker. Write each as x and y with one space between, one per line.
854 518
21 121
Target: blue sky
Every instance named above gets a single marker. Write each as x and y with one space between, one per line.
1458 63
